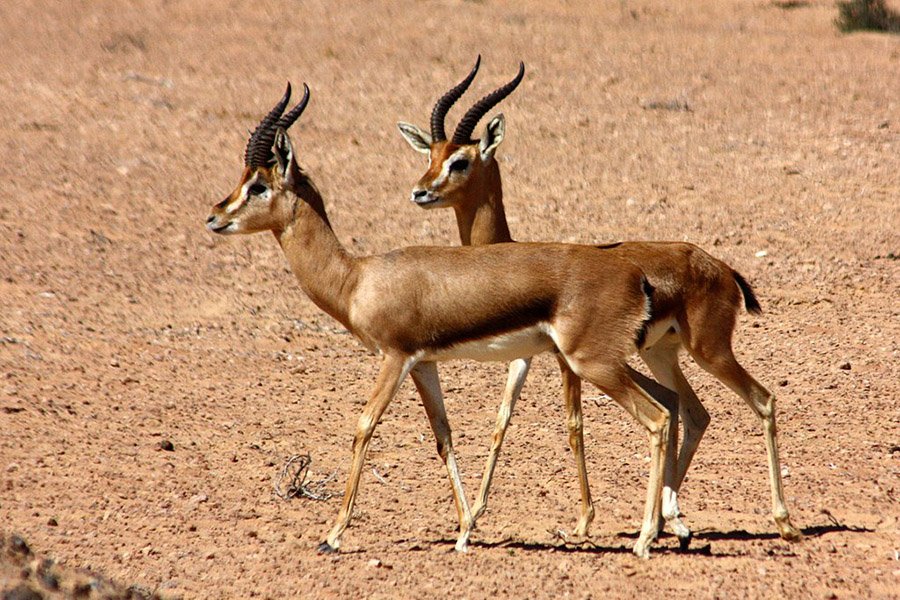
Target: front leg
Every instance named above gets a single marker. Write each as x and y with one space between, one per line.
393 369
518 371
575 425
425 376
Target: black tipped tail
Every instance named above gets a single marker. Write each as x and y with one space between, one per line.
648 289
750 301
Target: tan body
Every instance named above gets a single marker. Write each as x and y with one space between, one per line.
696 301
419 305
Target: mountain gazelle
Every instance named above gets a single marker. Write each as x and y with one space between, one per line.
419 305
696 298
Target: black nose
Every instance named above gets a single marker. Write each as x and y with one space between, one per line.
419 193
210 219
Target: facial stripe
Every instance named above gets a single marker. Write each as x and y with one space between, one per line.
445 167
239 201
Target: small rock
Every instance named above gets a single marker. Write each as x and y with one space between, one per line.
375 563
761 254
52 522
783 383
198 498
845 366
167 446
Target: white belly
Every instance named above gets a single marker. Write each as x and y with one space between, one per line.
522 343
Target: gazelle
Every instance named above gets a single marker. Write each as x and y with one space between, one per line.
419 305
696 300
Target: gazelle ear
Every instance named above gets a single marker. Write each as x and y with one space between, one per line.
283 151
418 139
493 135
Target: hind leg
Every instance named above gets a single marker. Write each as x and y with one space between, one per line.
662 359
638 395
723 365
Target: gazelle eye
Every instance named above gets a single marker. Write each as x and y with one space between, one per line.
257 189
459 165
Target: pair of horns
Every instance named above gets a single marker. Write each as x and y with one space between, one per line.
259 146
463 133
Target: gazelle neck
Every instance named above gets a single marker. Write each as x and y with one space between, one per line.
325 270
483 221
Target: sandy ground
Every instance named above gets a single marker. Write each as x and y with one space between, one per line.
124 324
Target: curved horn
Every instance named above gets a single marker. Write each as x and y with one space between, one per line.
259 146
439 112
287 120
463 133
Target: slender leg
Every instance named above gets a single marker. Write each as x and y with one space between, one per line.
645 400
696 420
425 376
663 363
725 367
518 371
575 424
393 369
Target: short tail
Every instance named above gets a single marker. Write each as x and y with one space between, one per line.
648 289
750 301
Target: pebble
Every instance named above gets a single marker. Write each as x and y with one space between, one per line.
167 446
845 366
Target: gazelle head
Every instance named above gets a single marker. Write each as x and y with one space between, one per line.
259 202
458 169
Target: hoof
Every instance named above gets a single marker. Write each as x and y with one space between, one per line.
462 544
641 550
326 548
791 534
685 542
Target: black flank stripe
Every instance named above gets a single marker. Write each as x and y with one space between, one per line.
518 317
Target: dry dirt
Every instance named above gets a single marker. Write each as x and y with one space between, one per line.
125 325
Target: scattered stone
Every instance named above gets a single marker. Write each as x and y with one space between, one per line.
845 366
783 383
52 522
378 564
167 446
